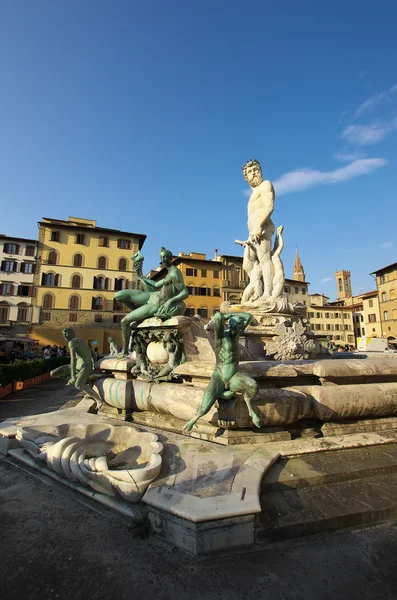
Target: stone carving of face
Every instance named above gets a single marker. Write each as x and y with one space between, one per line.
253 173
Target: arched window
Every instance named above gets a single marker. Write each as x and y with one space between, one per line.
216 291
4 311
392 294
340 284
119 284
99 283
203 312
385 315
48 301
346 285
97 303
74 302
22 314
189 311
52 258
384 296
50 280
122 264
76 281
78 260
102 262
117 306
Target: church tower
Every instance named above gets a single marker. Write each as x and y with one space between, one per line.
299 273
343 284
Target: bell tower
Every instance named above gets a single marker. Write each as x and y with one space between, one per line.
299 273
343 284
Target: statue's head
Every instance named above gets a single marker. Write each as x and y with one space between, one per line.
165 257
68 333
110 339
253 173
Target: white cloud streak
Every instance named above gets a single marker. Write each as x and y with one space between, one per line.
365 135
303 179
387 244
325 279
348 157
373 101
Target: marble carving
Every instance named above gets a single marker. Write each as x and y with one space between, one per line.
112 460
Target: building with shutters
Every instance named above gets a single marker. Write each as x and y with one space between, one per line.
17 268
386 282
80 267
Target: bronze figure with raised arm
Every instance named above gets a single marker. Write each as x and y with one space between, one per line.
226 380
162 298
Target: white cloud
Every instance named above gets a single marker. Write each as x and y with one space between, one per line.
365 135
373 101
325 279
349 156
387 244
302 179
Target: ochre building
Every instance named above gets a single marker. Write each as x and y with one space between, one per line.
80 268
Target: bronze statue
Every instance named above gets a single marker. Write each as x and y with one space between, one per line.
226 380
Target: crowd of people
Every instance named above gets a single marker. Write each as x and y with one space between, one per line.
54 351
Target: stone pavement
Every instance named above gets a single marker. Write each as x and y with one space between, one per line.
57 544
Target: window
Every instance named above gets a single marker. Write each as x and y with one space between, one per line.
100 283
25 290
337 327
346 285
340 284
203 291
191 272
4 310
48 301
122 264
303 290
319 315
385 315
392 294
5 289
9 266
311 315
22 314
382 279
296 290
80 238
78 260
98 318
345 315
74 302
97 303
190 289
102 262
124 244
117 306
217 292
372 318
373 329
189 312
52 258
11 248
55 236
318 326
29 250
73 317
286 289
48 279
336 315
328 327
346 327
76 281
28 267
203 312
361 318
327 315
203 273
119 284
370 303
216 274
46 316
384 296
103 242
117 318
363 331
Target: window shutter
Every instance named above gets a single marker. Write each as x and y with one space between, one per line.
3 265
33 268
15 267
5 248
17 247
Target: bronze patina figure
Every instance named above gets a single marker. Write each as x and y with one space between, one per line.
162 298
226 380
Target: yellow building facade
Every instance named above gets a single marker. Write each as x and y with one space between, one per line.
80 267
333 320
386 281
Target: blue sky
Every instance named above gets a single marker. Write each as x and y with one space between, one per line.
140 114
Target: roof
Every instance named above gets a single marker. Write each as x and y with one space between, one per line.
384 268
17 239
68 225
373 293
323 295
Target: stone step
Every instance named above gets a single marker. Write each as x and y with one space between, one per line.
327 492
330 467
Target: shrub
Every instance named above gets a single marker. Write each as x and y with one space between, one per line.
33 368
